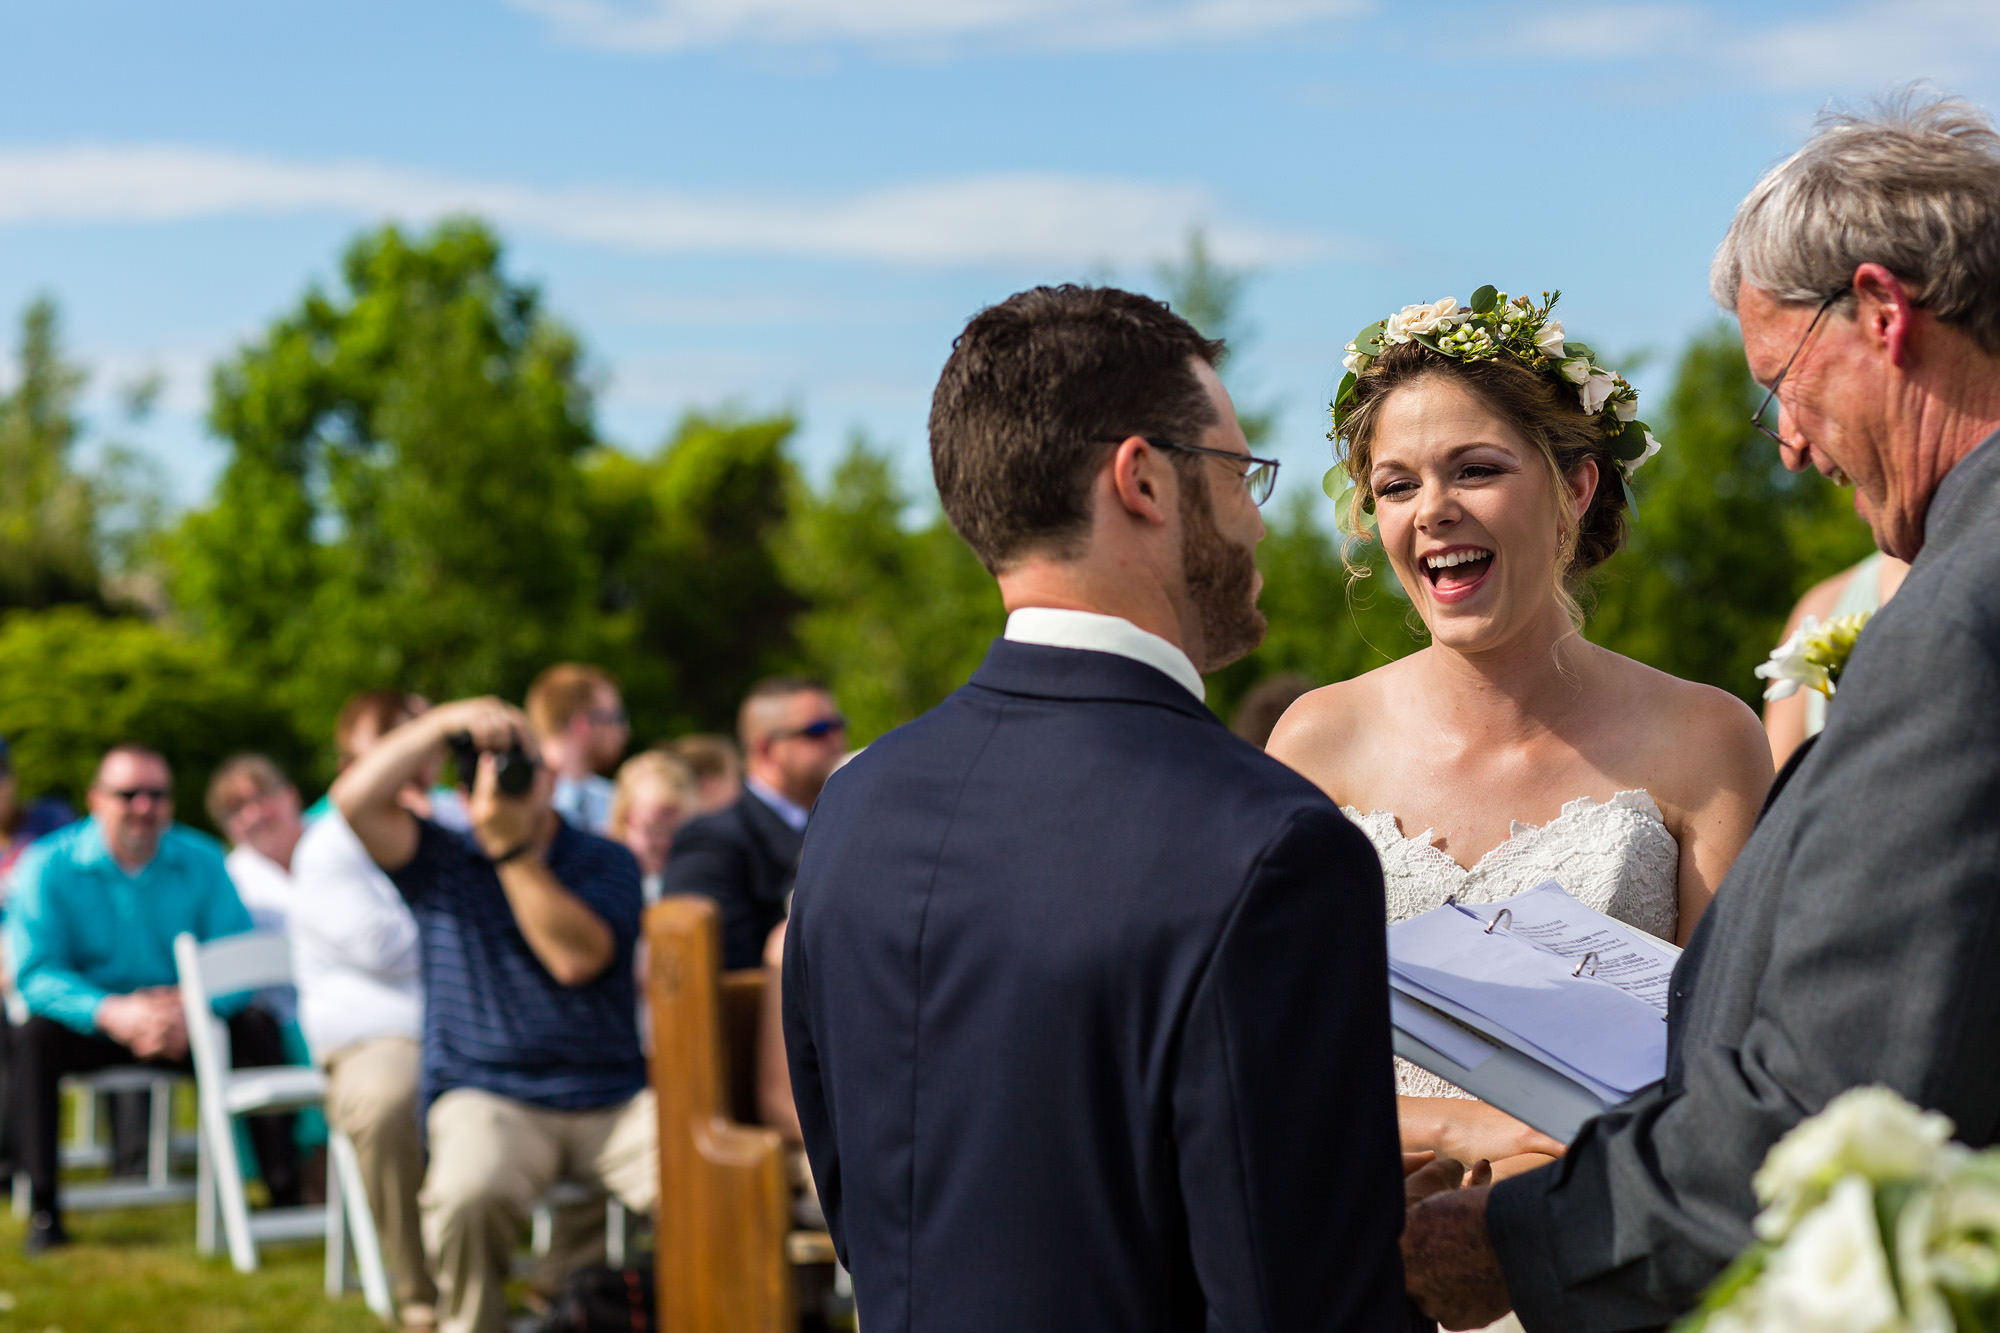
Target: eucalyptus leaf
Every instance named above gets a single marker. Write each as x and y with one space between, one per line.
1484 299
1334 483
1368 342
1430 342
1571 347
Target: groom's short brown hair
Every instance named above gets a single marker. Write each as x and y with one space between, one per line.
1036 392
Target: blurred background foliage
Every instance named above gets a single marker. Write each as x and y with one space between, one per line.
417 496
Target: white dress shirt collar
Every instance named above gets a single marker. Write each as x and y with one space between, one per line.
794 814
1059 628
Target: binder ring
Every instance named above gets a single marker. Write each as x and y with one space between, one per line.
1500 918
1589 960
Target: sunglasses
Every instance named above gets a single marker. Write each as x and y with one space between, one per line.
609 717
157 795
817 730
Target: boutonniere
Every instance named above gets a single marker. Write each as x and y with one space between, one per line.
1813 657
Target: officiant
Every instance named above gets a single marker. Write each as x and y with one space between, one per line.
1857 938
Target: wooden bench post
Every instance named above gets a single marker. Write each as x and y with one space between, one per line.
724 1206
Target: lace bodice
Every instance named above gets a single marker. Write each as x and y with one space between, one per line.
1615 856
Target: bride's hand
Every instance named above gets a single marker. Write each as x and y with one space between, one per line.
1469 1131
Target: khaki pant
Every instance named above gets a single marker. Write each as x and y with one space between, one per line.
491 1159
371 1096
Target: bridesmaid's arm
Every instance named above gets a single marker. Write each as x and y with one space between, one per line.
1721 789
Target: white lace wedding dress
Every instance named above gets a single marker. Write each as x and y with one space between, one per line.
1615 856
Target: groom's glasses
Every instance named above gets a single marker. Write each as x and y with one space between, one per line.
1757 417
1260 478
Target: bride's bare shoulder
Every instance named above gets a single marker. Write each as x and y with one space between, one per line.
1703 740
1321 734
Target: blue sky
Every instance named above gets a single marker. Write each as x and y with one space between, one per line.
796 203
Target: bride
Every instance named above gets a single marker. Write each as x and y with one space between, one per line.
1493 459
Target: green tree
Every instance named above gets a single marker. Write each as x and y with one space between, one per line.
896 618
74 683
403 503
48 528
693 604
1209 295
1725 539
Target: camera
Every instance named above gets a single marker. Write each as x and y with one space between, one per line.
513 769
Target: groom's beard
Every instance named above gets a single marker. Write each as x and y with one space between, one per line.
1221 582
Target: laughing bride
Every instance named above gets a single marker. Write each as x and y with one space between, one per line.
1493 459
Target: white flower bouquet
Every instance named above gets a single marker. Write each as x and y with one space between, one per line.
1872 1222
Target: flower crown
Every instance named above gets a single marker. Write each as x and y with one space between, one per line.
1494 325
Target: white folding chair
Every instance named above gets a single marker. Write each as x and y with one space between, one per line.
83 1150
227 967
563 1194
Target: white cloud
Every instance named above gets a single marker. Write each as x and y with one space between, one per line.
1876 45
1021 218
672 25
1865 47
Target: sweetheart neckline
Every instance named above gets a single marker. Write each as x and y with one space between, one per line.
1636 799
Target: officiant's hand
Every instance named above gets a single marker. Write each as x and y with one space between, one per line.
1449 1267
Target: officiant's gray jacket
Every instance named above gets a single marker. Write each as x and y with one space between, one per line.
1855 941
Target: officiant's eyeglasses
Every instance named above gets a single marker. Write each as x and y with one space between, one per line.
1260 478
1757 417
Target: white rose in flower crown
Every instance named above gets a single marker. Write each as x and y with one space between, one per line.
1595 390
1355 361
1439 316
1576 370
1626 408
1869 1132
1832 1275
1549 342
1652 447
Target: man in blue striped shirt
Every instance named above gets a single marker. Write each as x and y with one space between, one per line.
532 1067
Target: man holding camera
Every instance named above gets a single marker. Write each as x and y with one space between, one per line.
532 1070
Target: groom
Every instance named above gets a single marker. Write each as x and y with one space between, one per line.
1083 995
1857 938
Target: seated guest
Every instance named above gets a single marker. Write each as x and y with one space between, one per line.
531 1062
655 796
21 822
579 721
746 856
257 809
354 952
718 770
90 927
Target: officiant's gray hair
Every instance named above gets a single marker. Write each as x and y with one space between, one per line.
1913 185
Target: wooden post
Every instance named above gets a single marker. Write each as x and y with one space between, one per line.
724 1205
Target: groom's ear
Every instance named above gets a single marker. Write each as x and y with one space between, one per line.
1139 480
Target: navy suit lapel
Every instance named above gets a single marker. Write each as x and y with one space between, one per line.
775 841
1038 671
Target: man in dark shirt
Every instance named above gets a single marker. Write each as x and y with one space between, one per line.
745 856
532 1067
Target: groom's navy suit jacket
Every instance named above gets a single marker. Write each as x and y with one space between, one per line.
1086 1006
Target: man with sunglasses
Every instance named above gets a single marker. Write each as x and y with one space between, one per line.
746 855
90 926
1083 994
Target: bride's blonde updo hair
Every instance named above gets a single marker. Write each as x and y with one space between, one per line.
1542 408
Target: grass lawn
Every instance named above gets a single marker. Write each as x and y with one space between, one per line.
135 1271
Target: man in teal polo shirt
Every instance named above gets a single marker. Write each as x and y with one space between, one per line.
90 926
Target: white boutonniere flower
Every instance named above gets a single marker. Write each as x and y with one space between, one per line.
1813 657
